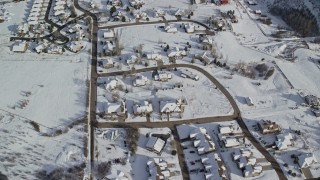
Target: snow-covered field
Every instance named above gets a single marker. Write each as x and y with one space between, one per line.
49 92
25 154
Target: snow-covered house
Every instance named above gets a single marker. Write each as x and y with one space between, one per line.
231 142
116 108
162 76
176 53
113 84
249 101
228 129
154 56
158 169
142 109
188 74
108 63
306 160
189 28
59 13
170 107
283 141
159 13
241 153
92 5
118 14
136 3
116 2
116 175
316 112
108 34
180 13
202 140
155 144
252 171
312 100
170 29
20 46
76 46
109 47
266 127
141 15
140 81
23 28
132 59
40 47
55 50
61 3
59 7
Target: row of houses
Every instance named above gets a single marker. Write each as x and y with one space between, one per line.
37 12
230 135
159 169
246 162
211 162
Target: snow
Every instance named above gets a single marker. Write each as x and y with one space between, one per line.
24 152
136 164
57 89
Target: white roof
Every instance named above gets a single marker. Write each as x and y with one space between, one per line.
112 84
231 142
34 14
60 3
284 140
59 7
169 106
108 34
145 107
155 143
60 12
154 56
171 29
19 47
113 108
36 9
307 159
189 28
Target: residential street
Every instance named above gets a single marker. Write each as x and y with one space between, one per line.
171 124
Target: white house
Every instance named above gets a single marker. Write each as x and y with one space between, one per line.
162 76
177 53
140 81
283 141
58 7
170 107
108 63
113 84
306 160
154 56
76 46
59 12
116 108
249 101
19 47
228 129
180 12
155 144
108 47
144 108
170 29
188 74
159 13
189 28
132 59
40 47
61 3
108 34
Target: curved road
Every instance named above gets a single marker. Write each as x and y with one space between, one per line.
93 95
